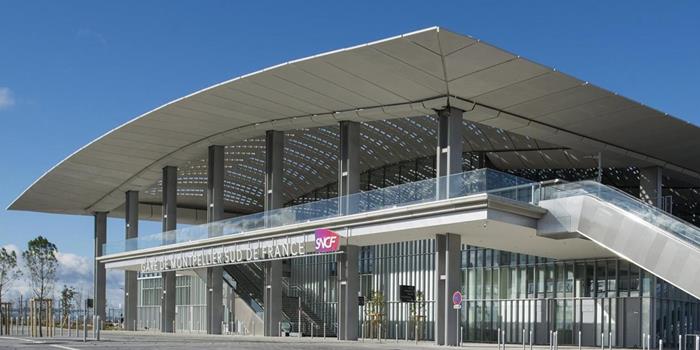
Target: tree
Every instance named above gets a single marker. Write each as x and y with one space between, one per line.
41 263
375 307
67 298
8 273
417 313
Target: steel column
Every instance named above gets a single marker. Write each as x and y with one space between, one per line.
447 281
274 164
348 288
169 212
215 212
449 147
131 210
348 164
272 297
274 170
100 280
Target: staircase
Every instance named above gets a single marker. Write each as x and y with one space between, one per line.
291 307
247 285
247 281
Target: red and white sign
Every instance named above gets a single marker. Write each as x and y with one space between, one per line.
457 300
327 241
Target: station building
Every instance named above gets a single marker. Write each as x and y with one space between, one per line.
361 192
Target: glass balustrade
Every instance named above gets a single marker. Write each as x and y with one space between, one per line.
632 205
430 190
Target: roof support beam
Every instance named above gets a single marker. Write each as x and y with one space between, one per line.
215 212
274 163
447 281
100 279
130 283
169 190
348 164
272 291
449 147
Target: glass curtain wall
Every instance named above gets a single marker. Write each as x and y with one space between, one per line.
609 301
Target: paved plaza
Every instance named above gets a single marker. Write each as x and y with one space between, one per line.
141 340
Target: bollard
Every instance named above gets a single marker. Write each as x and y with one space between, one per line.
312 330
498 338
661 344
551 339
69 327
644 339
680 342
324 330
697 342
396 332
84 328
610 340
461 335
556 340
98 326
279 329
503 338
579 340
363 332
530 339
602 340
523 338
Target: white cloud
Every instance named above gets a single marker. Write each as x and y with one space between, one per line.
7 99
12 248
74 271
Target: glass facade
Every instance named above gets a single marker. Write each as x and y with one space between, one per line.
607 300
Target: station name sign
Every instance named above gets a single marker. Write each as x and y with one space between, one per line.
326 241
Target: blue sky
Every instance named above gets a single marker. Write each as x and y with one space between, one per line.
72 70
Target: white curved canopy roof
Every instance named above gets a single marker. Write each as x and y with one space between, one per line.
511 104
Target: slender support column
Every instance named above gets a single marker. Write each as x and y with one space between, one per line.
215 212
348 164
169 224
274 162
447 281
215 185
100 280
272 313
449 147
650 186
348 288
130 282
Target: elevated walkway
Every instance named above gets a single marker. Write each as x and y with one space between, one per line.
484 207
654 240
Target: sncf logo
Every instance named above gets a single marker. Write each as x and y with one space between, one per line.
327 241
